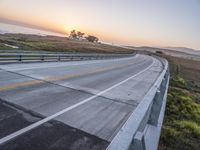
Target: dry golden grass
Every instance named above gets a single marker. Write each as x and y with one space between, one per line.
59 44
185 68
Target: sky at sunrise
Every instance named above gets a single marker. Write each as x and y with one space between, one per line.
130 22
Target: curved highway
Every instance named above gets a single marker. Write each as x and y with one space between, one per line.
71 105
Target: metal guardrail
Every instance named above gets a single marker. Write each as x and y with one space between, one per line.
9 58
142 130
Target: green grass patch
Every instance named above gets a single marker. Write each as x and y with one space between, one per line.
181 129
181 106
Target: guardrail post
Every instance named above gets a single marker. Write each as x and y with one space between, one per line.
138 142
42 58
157 103
153 119
58 58
20 57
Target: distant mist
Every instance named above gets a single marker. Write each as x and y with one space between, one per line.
14 22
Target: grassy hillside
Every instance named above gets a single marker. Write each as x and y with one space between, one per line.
181 129
58 44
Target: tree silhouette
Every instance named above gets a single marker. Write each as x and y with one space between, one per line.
80 35
73 34
92 38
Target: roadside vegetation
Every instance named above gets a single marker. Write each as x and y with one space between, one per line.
181 128
76 42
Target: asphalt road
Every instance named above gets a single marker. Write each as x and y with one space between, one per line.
71 105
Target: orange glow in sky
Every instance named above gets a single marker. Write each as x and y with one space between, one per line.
130 22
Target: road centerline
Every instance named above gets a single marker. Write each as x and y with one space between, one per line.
53 79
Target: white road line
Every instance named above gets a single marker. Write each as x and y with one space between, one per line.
36 124
9 68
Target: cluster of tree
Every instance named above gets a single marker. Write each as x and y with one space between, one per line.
80 36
